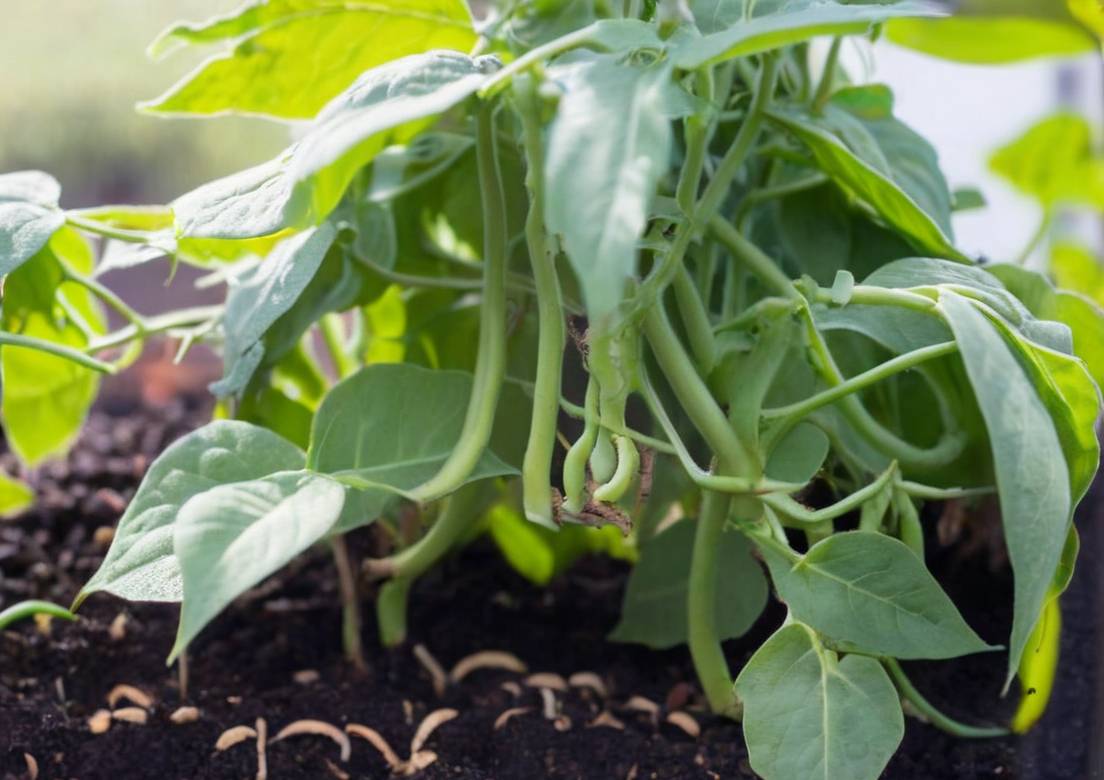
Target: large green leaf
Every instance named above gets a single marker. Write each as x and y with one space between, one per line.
256 303
15 496
871 592
388 428
655 612
790 23
911 161
141 565
608 145
898 330
46 398
229 538
1032 476
29 215
1054 162
991 40
275 67
873 186
810 716
387 105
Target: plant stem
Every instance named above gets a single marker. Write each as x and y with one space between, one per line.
753 258
490 368
57 350
105 295
350 604
695 320
705 646
796 411
808 517
101 229
537 464
161 324
828 77
933 715
333 334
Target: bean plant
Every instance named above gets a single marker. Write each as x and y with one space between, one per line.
580 271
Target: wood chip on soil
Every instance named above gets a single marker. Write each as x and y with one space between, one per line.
131 694
487 659
135 715
505 716
233 736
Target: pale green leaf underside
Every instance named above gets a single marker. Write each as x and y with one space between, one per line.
389 104
389 427
141 565
256 303
654 612
608 144
274 68
871 592
1032 477
29 215
990 40
795 22
229 538
810 716
872 186
15 496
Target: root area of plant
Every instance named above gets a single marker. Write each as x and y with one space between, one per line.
276 655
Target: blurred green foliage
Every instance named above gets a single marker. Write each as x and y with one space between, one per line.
70 75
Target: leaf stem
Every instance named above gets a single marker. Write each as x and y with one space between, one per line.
828 76
932 714
57 350
106 231
160 324
490 368
807 517
28 609
106 295
333 335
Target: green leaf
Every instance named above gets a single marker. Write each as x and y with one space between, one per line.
912 162
388 428
256 303
608 145
1076 268
275 68
29 215
15 496
229 538
793 22
46 398
1032 476
898 330
387 105
1054 163
809 715
873 186
141 565
872 593
654 612
991 40
799 455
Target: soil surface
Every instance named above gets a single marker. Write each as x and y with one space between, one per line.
276 655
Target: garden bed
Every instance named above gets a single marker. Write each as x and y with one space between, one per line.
278 657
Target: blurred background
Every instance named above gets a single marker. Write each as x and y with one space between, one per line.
71 72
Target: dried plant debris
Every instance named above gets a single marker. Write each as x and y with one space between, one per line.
589 680
506 715
131 694
320 728
548 680
607 719
685 722
487 659
135 715
183 715
32 766
419 759
234 736
433 667
262 749
100 722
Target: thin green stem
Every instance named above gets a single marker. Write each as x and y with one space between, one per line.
57 350
697 133
333 334
350 604
101 229
701 601
695 319
28 609
795 511
161 324
753 258
828 76
916 490
537 463
931 714
1037 238
796 411
104 294
490 368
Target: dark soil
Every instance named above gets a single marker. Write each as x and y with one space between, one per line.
250 664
